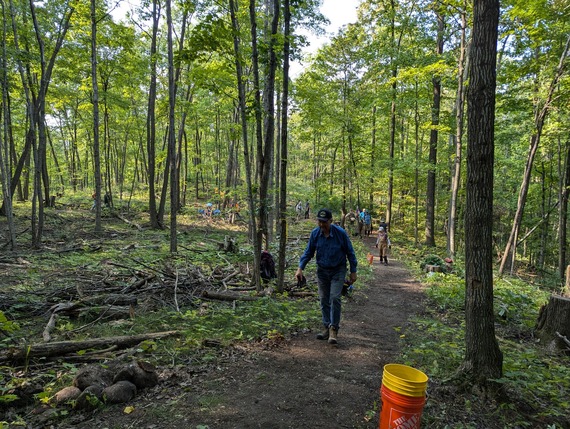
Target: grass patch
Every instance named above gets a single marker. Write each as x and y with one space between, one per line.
77 265
537 384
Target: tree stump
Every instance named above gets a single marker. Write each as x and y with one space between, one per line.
554 318
432 269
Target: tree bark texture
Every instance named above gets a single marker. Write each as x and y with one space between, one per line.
563 213
459 116
553 318
431 177
483 358
246 154
284 151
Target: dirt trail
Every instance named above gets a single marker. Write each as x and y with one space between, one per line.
300 383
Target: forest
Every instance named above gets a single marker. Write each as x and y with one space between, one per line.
447 119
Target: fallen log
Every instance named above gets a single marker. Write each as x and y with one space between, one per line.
302 294
60 348
228 296
128 222
83 309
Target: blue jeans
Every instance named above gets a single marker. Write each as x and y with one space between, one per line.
330 292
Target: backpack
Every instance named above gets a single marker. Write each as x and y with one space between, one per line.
267 266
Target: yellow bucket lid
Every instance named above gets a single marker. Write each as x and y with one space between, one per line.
404 380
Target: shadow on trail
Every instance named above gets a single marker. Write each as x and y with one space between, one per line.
297 383
310 384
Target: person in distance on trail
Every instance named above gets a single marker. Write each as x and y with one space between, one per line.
367 223
299 209
333 248
382 243
94 198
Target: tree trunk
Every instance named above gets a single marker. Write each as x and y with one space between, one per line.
40 118
4 152
392 114
258 216
96 155
416 167
284 151
459 115
151 120
483 358
266 166
563 212
243 115
431 176
172 153
373 157
540 118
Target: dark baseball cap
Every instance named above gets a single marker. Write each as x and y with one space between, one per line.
324 214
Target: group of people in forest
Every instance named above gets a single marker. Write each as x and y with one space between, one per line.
106 200
359 222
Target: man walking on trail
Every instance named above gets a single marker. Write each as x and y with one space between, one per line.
333 248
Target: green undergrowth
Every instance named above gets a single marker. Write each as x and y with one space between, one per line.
76 263
436 345
258 319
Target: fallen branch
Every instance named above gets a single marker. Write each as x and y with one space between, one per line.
49 327
228 296
302 294
60 348
128 222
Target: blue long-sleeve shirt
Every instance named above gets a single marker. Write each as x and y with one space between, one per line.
332 251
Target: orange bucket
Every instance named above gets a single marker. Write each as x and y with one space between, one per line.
403 394
370 258
399 411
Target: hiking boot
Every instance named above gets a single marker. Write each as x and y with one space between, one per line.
323 335
332 335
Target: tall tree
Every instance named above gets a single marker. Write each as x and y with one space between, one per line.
256 280
95 86
433 138
155 221
564 191
266 166
4 124
458 138
483 358
172 153
541 112
394 48
284 149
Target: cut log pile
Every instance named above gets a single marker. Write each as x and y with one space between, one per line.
95 384
119 290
